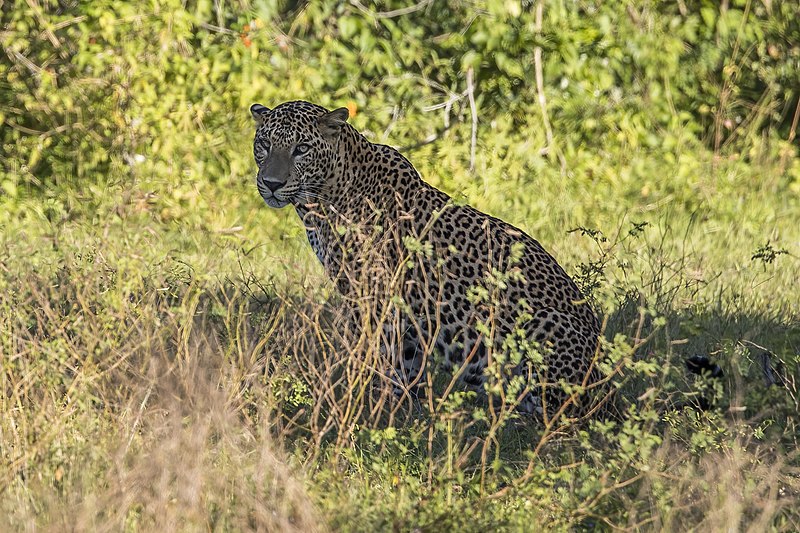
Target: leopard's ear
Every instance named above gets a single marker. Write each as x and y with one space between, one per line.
259 112
330 124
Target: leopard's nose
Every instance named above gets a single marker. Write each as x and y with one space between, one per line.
274 185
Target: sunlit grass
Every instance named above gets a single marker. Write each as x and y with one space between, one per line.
156 372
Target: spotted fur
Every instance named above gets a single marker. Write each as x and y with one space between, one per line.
466 284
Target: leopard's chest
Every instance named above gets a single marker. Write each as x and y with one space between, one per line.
316 240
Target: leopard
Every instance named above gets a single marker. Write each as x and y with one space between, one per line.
462 286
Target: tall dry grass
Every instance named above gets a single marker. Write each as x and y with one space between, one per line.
130 412
163 402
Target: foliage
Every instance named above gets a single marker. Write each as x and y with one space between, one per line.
171 358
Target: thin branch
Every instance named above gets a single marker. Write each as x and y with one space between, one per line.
43 134
449 102
63 24
474 111
537 64
217 29
393 13
27 63
793 129
37 10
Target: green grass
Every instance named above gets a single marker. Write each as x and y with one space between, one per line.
162 366
172 357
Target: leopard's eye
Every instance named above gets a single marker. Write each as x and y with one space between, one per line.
301 149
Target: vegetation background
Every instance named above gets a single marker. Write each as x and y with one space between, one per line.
160 328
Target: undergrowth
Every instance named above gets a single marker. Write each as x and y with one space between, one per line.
144 399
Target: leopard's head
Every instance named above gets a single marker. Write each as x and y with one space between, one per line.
296 150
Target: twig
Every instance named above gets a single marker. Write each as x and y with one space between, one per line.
793 129
37 10
393 13
537 64
453 99
45 134
136 422
474 111
217 29
63 24
30 65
